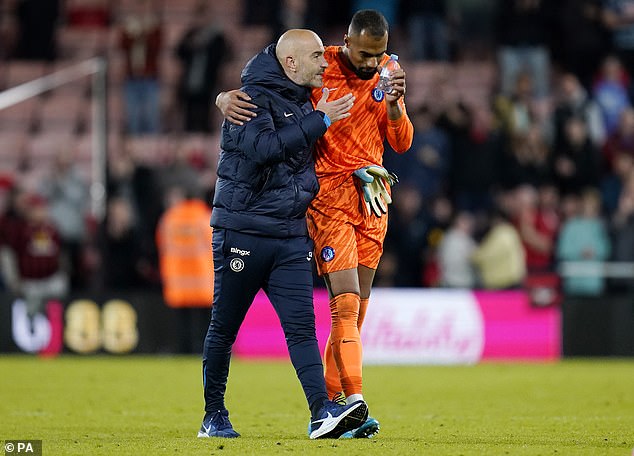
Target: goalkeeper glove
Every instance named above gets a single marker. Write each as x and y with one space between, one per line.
375 194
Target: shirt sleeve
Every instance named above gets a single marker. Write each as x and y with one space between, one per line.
400 132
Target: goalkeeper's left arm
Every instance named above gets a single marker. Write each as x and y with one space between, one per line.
374 181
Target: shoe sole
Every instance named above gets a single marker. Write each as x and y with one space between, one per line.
351 419
366 430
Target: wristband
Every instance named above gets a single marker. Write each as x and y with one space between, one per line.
327 120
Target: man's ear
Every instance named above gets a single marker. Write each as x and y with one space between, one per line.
290 64
346 40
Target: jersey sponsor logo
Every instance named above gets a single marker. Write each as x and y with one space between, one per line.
240 251
236 265
327 253
377 95
309 256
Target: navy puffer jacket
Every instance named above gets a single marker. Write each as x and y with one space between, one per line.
266 173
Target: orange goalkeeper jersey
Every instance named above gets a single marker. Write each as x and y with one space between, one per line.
356 141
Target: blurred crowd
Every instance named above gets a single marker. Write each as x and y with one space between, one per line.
493 194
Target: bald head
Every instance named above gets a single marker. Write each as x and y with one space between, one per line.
301 54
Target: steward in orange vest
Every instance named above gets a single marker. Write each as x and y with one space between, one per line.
183 238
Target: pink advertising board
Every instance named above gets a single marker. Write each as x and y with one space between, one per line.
425 326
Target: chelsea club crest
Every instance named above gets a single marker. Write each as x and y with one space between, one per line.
377 94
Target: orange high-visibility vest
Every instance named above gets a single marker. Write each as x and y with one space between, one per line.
183 238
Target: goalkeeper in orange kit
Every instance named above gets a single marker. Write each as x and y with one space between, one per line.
348 218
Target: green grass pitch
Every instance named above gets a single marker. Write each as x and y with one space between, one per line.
137 405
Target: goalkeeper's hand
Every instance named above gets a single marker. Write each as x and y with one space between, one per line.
373 183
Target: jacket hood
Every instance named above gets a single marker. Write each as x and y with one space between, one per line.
264 70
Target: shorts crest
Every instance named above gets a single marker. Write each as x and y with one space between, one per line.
327 253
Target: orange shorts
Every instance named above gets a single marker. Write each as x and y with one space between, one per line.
345 233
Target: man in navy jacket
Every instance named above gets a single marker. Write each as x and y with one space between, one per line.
266 179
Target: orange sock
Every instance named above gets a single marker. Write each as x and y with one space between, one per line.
333 382
345 342
331 373
363 308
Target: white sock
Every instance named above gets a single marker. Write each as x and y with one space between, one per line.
354 398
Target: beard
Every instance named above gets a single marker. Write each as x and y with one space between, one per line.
365 74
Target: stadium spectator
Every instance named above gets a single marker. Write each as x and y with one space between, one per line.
120 176
181 170
475 146
68 197
407 239
537 229
121 265
581 38
618 18
476 155
621 141
585 239
7 218
473 34
576 162
499 259
8 30
33 263
140 183
266 179
291 14
455 251
438 218
388 8
611 91
88 13
428 29
140 40
37 27
427 164
260 12
348 238
202 52
622 227
573 101
527 160
183 239
517 111
523 37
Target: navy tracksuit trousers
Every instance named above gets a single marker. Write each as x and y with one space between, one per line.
244 264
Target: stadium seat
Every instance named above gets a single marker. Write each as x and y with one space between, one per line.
79 43
63 112
19 72
11 149
42 148
20 116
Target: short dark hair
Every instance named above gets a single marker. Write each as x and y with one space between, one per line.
372 21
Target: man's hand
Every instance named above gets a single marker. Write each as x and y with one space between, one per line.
235 107
397 79
373 183
337 109
398 85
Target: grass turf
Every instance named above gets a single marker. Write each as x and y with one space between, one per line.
153 406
